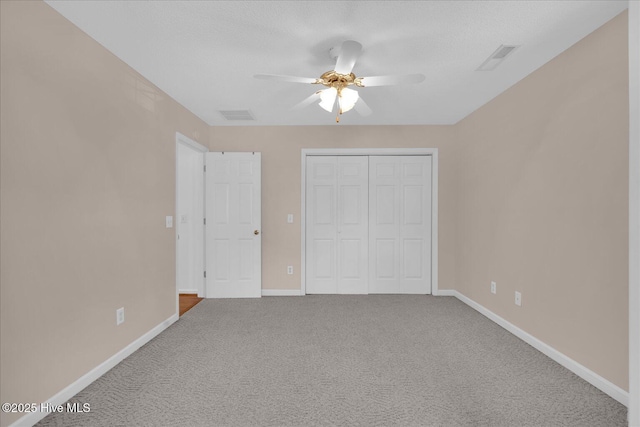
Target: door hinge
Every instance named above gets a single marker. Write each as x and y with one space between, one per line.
205 274
205 168
205 221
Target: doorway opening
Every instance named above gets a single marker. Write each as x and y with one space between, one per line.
189 223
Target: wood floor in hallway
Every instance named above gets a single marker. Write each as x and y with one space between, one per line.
188 301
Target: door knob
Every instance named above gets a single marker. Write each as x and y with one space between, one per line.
256 232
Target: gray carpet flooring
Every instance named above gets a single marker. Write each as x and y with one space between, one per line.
378 360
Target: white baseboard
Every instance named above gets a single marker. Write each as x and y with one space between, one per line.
187 291
586 374
74 388
445 293
281 292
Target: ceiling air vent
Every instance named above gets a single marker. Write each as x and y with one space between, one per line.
497 57
237 114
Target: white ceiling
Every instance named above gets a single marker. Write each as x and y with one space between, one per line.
204 53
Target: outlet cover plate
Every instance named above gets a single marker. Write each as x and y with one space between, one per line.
518 299
494 287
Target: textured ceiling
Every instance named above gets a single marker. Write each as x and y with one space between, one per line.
204 53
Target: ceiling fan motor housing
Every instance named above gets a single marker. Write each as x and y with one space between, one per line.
339 81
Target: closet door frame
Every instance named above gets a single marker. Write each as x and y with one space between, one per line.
433 152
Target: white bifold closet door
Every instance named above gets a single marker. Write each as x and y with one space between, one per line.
400 224
368 224
337 225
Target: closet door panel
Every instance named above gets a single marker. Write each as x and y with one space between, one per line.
321 225
400 224
415 226
384 217
353 224
337 208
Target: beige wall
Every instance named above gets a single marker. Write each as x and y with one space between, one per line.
543 203
87 177
281 167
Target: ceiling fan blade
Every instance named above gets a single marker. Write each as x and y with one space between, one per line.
348 55
362 108
290 79
307 101
392 80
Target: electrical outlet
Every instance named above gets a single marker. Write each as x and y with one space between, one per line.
120 316
518 298
493 287
290 218
290 269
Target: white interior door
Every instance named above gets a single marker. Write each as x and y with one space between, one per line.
400 224
337 225
233 221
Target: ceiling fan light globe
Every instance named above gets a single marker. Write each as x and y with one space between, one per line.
347 100
328 98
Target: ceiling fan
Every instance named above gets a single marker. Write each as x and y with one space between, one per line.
339 79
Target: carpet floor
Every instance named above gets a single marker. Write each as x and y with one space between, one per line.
377 360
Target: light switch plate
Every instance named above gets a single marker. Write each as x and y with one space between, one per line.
290 218
169 222
120 316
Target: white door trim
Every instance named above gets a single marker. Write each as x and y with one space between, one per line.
187 142
180 138
433 152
